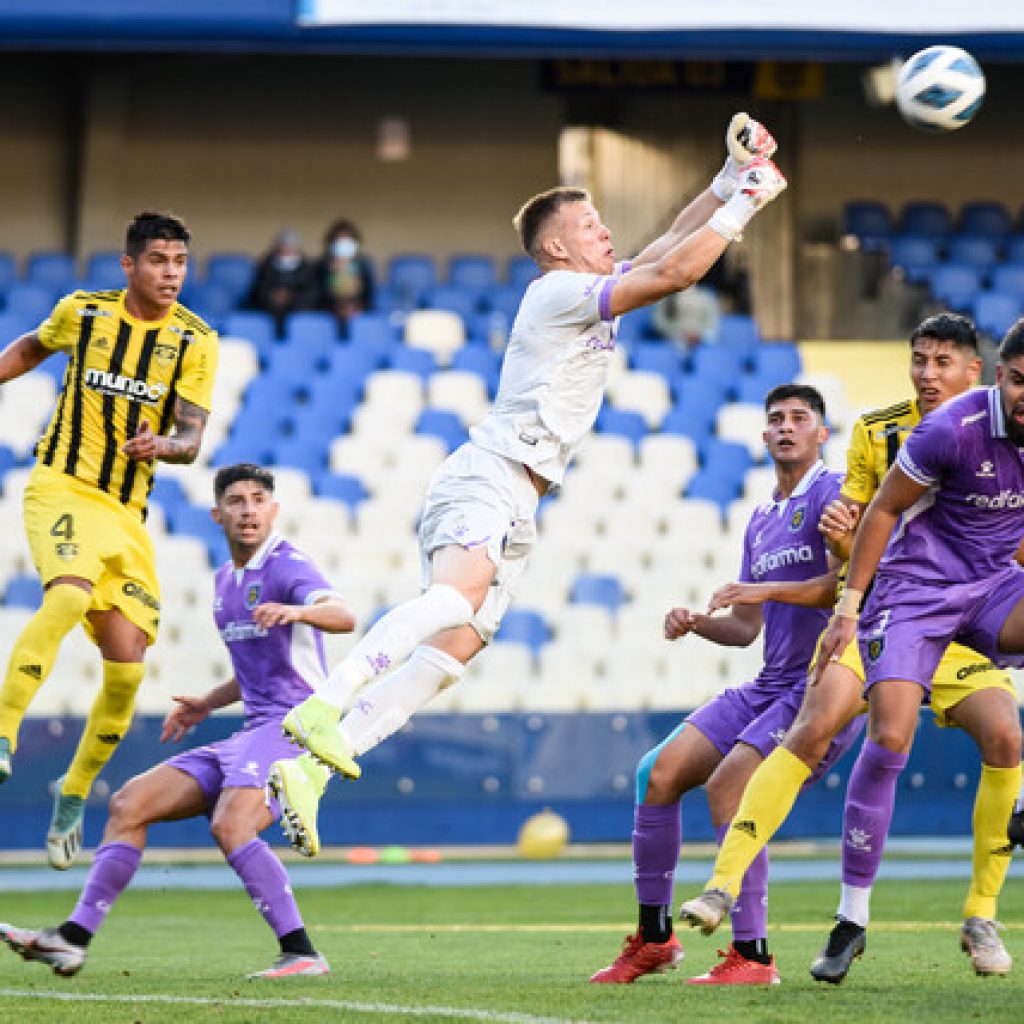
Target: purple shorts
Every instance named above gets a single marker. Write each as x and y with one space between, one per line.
760 718
241 761
906 626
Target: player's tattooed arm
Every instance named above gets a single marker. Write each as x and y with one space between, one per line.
181 446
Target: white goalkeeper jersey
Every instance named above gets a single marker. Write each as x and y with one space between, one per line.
554 372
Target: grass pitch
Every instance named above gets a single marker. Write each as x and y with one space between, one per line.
510 954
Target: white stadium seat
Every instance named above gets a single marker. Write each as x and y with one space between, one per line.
743 422
439 331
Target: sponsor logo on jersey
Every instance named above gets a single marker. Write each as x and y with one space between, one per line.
771 560
796 520
120 386
132 589
1004 499
252 768
252 595
232 632
67 552
596 343
82 311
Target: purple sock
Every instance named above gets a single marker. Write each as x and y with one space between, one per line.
657 834
266 882
870 799
750 912
112 869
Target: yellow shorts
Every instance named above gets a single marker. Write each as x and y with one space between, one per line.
960 673
74 529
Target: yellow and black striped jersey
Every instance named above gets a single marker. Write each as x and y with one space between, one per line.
121 371
876 439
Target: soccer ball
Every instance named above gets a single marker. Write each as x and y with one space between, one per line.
543 836
940 89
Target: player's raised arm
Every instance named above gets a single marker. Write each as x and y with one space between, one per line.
737 628
328 614
691 257
23 354
819 592
745 139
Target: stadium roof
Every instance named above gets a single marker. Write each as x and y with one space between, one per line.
742 29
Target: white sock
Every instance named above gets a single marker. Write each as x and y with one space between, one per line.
392 639
855 904
384 707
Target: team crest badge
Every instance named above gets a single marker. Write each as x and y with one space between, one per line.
67 552
252 595
875 647
796 520
165 354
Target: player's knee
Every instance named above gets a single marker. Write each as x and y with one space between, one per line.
808 739
127 808
232 830
1002 746
660 782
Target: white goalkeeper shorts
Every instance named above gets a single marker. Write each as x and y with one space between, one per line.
479 499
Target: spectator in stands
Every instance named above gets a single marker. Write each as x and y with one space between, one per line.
271 605
285 280
138 391
478 523
344 275
689 317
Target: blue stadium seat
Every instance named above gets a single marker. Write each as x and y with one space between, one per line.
600 589
926 219
869 221
657 357
915 256
8 460
169 494
995 312
245 445
621 423
1009 277
443 424
323 417
311 327
411 276
777 361
454 299
103 271
717 365
505 299
212 302
190 519
371 331
342 487
752 388
1015 249
694 419
473 272
232 271
985 218
254 326
276 391
479 360
711 486
738 332
973 251
955 284
521 271
8 272
523 626
52 270
411 360
728 459
347 371
24 592
301 453
32 301
13 324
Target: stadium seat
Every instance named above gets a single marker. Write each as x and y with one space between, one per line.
657 357
524 626
416 361
299 453
695 419
985 218
444 425
254 326
776 361
439 331
372 332
30 301
472 272
621 422
644 392
1009 277
231 271
24 592
738 332
995 312
915 257
460 301
521 271
955 284
411 276
591 588
342 487
8 272
311 328
1015 249
505 299
926 219
972 251
459 391
868 221
103 271
212 301
744 423
54 271
481 361
716 365
713 486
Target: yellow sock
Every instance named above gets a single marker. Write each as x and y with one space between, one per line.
766 803
997 793
108 721
64 606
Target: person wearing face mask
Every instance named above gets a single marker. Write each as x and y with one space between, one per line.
344 275
285 280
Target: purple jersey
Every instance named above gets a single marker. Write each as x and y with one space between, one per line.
967 526
782 542
276 668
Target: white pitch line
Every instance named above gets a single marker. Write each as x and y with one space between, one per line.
457 1012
